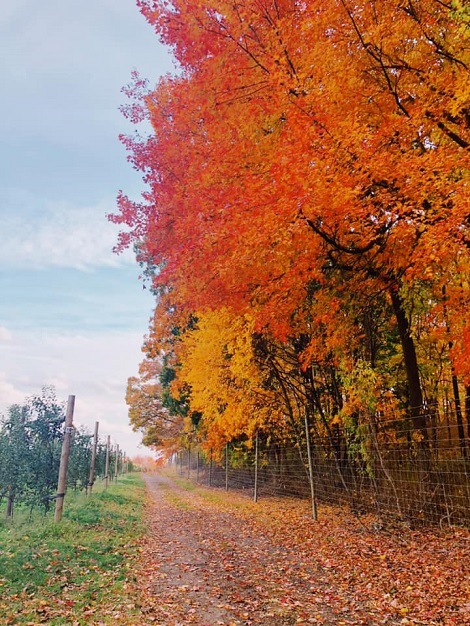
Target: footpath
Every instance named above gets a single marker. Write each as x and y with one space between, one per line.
216 558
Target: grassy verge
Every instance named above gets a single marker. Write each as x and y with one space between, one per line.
76 572
183 483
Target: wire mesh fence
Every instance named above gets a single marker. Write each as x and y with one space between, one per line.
396 474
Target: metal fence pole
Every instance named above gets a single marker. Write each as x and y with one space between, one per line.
116 463
255 491
106 467
310 470
210 469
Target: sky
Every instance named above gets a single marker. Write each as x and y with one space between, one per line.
72 313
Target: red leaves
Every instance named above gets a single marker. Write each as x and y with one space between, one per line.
302 144
222 559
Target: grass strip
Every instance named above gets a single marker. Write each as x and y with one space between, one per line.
78 571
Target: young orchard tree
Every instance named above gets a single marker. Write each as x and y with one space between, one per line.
15 457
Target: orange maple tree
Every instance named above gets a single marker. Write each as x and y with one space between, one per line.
309 165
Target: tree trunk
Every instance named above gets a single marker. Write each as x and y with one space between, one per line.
467 410
415 394
458 415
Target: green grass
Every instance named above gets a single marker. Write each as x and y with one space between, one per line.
178 501
183 483
77 571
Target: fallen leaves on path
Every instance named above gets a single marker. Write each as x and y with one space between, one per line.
212 558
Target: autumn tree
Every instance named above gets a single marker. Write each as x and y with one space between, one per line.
306 160
227 386
155 408
148 411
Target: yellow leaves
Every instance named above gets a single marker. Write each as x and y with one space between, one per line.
217 364
461 95
417 437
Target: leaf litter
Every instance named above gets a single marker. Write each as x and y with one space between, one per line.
223 560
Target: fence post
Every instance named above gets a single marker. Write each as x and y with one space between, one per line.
10 501
310 470
226 467
189 461
106 467
197 466
210 469
116 464
111 463
91 478
64 460
255 492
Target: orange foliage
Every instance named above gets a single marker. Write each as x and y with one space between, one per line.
307 159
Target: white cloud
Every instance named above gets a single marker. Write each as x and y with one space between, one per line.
93 367
9 394
5 334
61 235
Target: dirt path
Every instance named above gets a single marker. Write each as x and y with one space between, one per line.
213 559
209 569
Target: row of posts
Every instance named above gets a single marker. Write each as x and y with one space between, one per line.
255 495
255 489
64 460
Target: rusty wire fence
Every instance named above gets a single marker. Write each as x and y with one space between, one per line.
394 474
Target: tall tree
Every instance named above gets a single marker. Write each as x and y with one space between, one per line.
306 144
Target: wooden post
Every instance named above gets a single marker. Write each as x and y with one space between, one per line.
197 466
116 461
106 467
255 492
310 470
111 463
226 467
64 460
189 461
91 478
10 501
210 469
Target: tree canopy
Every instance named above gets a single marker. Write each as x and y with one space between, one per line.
306 189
